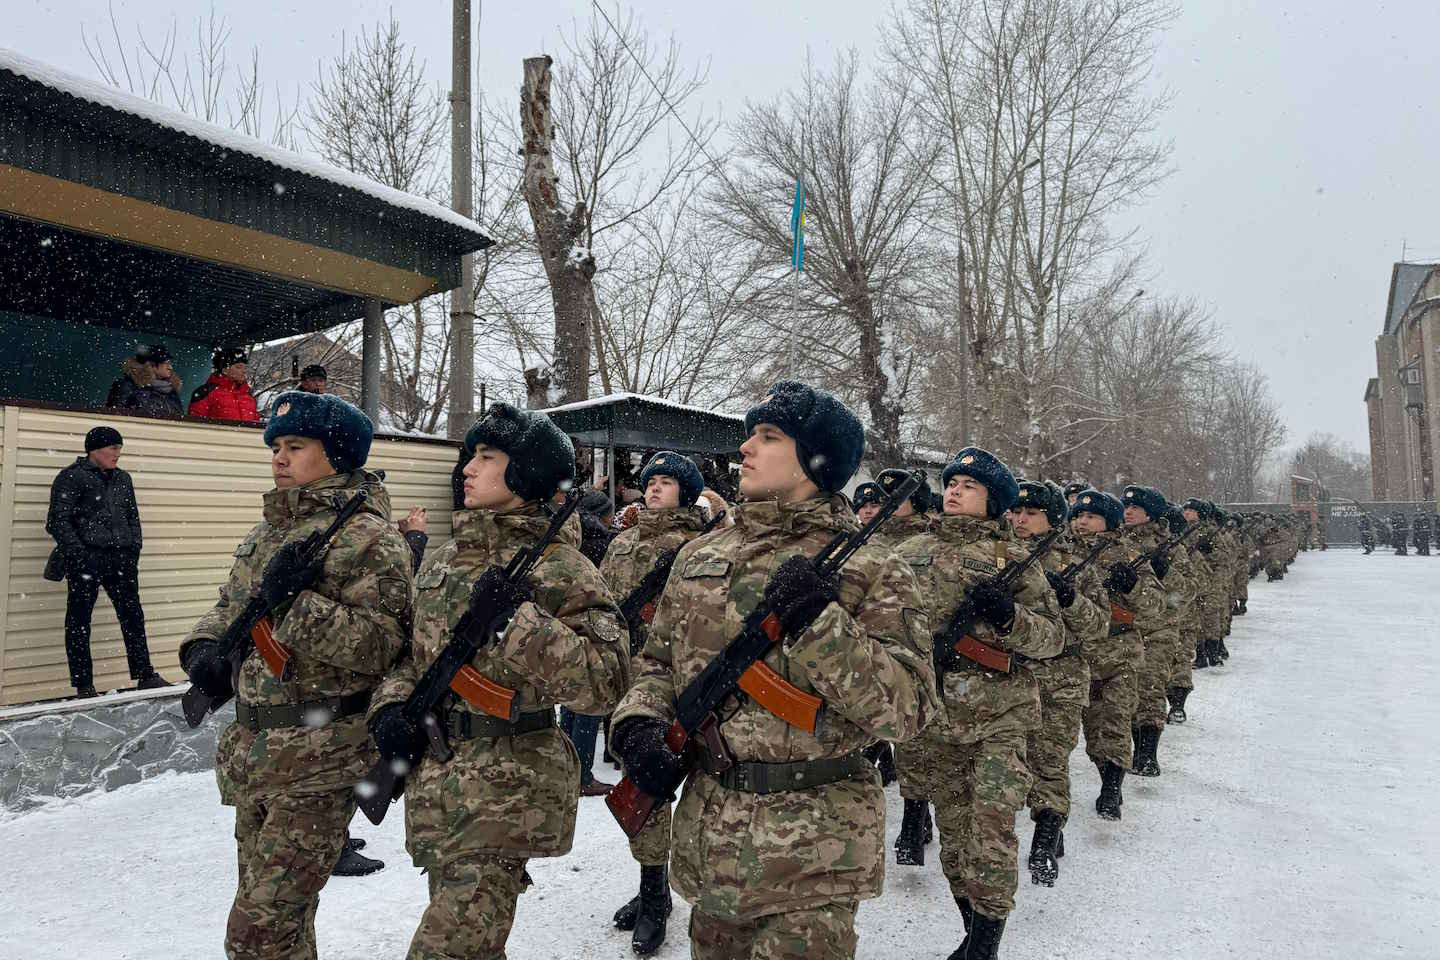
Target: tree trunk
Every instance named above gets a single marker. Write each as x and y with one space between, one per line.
885 408
569 266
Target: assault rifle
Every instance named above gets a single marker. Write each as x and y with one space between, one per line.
957 631
638 607
451 672
740 666
1119 615
254 629
1071 572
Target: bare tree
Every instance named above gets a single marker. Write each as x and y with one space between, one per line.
1251 427
373 112
864 160
195 82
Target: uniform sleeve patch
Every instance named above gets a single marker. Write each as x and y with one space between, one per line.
245 549
394 595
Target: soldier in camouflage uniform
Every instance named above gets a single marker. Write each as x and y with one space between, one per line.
1189 588
671 519
510 791
866 500
1213 554
1146 529
914 768
1064 680
775 853
1273 548
288 762
1115 660
979 742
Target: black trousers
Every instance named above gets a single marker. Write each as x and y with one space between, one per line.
118 573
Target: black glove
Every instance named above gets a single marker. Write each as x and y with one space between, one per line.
648 761
1063 591
993 604
396 737
943 652
287 574
493 601
208 669
1161 566
1122 578
1205 547
797 593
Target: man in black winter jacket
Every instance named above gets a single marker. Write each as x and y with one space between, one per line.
148 383
96 523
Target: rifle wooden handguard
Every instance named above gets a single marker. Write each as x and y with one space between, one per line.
1119 615
778 695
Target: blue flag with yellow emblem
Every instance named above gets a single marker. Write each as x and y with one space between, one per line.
797 227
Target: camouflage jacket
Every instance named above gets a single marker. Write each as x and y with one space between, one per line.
1114 648
514 796
899 529
1178 587
981 704
344 633
1087 620
632 554
1149 601
741 855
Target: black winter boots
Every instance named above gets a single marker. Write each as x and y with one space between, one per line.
984 938
1044 848
1176 697
353 863
1201 659
967 916
910 844
1107 805
1147 744
655 907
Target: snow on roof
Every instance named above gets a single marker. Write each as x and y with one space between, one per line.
614 398
118 100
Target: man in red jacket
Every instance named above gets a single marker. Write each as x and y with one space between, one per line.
226 395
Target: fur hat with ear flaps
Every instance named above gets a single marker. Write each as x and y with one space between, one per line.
829 439
542 458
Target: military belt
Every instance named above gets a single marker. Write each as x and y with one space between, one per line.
311 713
464 725
1120 629
765 778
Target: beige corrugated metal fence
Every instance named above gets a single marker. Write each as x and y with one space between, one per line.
198 486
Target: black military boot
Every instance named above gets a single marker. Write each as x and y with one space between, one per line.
985 935
655 907
1147 762
353 863
910 844
1107 805
1201 660
1060 846
967 916
1221 650
1176 697
1044 861
929 826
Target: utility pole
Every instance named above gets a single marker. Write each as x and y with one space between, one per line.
462 298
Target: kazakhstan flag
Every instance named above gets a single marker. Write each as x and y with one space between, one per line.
797 227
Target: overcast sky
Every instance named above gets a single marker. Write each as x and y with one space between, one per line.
1302 136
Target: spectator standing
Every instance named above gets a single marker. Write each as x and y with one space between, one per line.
596 512
148 383
226 395
96 523
314 379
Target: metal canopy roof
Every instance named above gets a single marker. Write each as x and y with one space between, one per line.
635 420
116 211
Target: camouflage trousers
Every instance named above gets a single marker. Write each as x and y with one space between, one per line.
1154 675
286 848
1240 587
1274 558
915 769
471 910
1114 695
1182 662
1064 692
979 790
822 933
651 846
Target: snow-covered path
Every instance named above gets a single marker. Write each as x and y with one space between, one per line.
1295 818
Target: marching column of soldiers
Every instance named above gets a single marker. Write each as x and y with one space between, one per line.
755 664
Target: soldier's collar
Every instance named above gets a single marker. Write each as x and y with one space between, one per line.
653 521
760 517
961 529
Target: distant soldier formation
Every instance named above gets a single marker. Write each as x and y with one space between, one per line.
759 661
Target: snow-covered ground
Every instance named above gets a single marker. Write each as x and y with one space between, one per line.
1295 818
